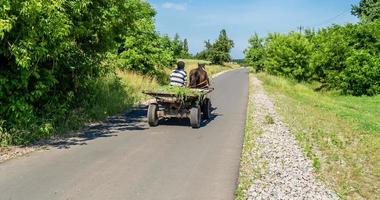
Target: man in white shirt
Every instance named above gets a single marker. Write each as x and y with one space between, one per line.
178 76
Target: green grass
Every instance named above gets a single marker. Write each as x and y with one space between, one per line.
340 134
210 68
269 119
115 94
248 169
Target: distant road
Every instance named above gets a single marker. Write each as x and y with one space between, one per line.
128 160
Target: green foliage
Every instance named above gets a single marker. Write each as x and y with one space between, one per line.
343 58
144 50
181 92
288 55
105 90
219 51
180 48
362 74
185 52
255 54
330 50
367 10
52 51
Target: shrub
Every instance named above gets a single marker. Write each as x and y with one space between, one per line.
50 53
362 74
288 55
255 54
343 58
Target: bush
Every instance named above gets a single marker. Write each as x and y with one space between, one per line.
51 52
145 51
255 54
362 74
288 55
344 58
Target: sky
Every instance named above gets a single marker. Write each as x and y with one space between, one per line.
200 20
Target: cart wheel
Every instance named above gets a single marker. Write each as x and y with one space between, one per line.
152 115
195 117
206 109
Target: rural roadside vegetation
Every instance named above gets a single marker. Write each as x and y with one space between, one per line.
249 169
326 85
67 63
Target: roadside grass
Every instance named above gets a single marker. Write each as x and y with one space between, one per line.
118 93
211 69
340 134
110 95
249 171
269 119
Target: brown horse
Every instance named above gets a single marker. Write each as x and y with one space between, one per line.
199 77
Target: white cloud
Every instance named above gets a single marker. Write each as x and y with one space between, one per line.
174 6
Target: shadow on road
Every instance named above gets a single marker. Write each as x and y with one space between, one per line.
134 120
186 122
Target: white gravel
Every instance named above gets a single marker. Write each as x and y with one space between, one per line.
285 172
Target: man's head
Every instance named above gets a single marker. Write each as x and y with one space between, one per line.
181 65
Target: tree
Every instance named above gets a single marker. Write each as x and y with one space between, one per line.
367 10
255 53
288 55
185 51
145 51
219 51
177 46
51 50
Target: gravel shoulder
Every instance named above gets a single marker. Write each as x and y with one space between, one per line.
284 171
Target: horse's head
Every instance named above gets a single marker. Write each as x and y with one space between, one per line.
198 77
202 66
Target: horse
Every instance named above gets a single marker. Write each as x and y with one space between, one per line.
199 78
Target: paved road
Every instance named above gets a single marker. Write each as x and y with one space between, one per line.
125 159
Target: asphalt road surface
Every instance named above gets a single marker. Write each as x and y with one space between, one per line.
125 159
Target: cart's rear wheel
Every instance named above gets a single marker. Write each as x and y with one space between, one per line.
206 109
195 117
152 115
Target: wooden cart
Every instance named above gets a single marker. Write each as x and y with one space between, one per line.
169 105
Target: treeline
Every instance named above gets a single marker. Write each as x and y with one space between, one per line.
344 58
53 54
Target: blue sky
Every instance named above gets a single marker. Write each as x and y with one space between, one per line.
203 19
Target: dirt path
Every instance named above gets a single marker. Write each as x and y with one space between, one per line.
285 173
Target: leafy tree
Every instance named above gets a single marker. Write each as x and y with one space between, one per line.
204 54
144 50
288 55
331 49
343 58
362 74
180 48
51 50
220 50
367 10
177 46
255 53
185 52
